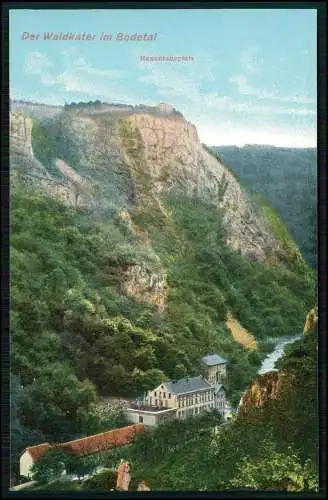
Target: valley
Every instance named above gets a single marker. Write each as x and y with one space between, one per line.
134 252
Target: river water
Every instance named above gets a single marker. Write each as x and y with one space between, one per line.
268 364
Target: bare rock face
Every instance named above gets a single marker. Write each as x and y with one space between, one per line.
176 161
265 396
20 134
146 285
311 321
169 156
28 169
22 159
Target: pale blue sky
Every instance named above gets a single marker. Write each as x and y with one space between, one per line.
252 80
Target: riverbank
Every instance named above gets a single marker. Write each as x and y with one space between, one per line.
268 364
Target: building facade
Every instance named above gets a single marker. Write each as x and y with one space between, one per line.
29 456
149 415
165 108
185 397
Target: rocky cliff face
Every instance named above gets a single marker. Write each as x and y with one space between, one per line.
147 286
311 321
175 160
262 391
20 134
70 189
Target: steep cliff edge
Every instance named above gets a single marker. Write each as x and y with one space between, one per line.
129 157
270 171
175 161
114 161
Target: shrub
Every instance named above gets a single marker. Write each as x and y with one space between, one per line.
50 466
103 481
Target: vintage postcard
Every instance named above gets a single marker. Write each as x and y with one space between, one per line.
163 282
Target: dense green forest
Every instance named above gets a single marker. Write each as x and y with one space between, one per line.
76 336
273 447
287 179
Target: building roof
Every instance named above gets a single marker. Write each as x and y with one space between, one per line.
103 441
37 451
219 387
91 444
213 359
185 385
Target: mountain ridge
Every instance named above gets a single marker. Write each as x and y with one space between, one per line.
170 156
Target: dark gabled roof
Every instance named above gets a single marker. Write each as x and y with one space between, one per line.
213 359
218 388
185 385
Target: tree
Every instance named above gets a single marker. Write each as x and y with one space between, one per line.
81 466
50 466
103 481
276 471
57 402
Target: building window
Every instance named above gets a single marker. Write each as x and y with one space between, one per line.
164 395
155 394
169 396
140 419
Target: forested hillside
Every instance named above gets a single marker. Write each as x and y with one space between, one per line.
287 179
272 446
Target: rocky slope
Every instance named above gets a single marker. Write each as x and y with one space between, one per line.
263 394
270 171
128 158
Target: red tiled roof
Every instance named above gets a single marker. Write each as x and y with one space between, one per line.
103 441
91 444
37 451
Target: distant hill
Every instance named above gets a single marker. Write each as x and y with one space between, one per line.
286 178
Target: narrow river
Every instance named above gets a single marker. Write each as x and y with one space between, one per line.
268 364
